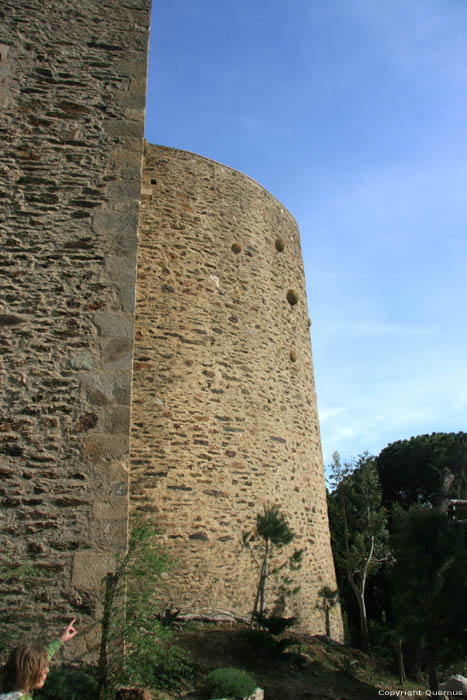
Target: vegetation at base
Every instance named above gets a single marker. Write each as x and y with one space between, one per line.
274 624
271 534
68 684
131 621
310 667
415 599
327 600
229 682
357 522
430 585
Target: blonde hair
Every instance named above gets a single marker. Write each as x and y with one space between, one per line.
25 667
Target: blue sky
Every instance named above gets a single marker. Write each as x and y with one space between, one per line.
353 114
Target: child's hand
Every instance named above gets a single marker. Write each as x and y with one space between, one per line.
68 632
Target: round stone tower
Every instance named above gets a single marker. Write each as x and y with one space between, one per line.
224 417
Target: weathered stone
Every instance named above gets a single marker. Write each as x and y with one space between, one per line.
124 127
117 325
115 223
90 567
218 407
83 360
105 448
115 510
121 268
222 364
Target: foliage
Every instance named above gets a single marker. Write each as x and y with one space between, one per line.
274 624
229 682
357 523
328 599
131 620
411 471
430 577
68 684
272 533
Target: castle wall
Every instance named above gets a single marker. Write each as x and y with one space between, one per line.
72 98
224 417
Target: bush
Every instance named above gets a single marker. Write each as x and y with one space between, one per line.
131 601
155 663
68 684
274 624
229 682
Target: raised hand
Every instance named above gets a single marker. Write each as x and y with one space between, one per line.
68 632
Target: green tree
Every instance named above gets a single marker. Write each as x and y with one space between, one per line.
271 534
328 600
357 522
135 646
430 579
425 469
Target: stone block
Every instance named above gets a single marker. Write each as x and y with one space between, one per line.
99 449
124 189
124 127
83 360
114 223
131 100
117 509
90 567
116 420
116 325
121 268
127 294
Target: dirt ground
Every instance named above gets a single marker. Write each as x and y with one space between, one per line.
311 668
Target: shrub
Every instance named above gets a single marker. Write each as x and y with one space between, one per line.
68 684
131 621
155 663
274 624
229 682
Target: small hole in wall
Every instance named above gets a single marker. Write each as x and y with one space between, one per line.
293 356
280 245
237 247
292 297
153 181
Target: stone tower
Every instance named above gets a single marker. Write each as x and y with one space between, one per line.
72 103
221 413
224 417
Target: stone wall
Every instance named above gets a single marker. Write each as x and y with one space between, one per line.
224 417
72 98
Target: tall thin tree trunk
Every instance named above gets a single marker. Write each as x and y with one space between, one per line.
327 619
400 662
432 670
259 598
103 667
264 577
360 595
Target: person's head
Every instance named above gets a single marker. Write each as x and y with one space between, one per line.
27 667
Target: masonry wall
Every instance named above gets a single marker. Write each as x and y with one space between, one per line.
72 97
224 407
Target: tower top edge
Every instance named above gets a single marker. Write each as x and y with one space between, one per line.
222 165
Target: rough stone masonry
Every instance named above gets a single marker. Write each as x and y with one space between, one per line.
224 418
72 98
223 408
